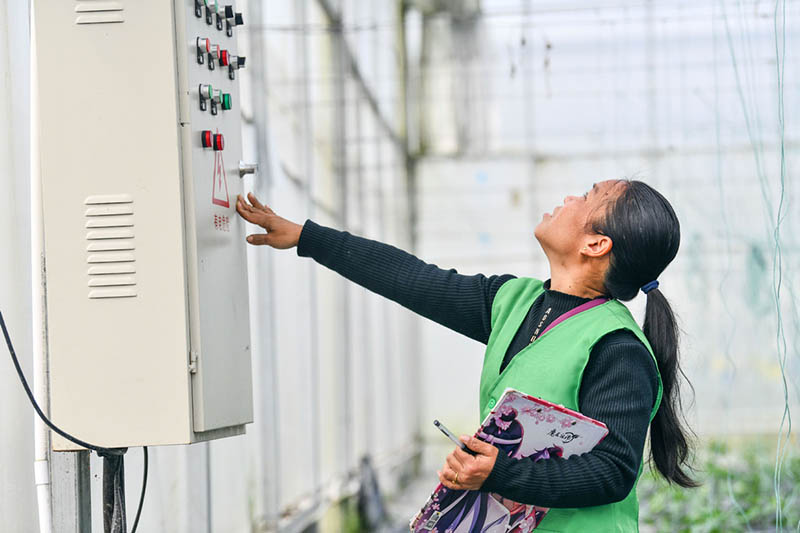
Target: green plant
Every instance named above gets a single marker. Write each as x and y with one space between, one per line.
737 493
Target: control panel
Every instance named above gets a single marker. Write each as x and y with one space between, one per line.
210 93
141 163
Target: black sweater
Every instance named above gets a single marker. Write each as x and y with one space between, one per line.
618 387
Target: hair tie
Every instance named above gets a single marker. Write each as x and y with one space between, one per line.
650 286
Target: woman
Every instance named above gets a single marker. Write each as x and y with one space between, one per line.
611 242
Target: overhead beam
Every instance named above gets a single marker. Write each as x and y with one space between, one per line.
335 21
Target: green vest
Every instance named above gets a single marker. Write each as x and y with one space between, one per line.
551 368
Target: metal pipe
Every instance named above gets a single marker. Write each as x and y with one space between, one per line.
41 437
261 272
307 140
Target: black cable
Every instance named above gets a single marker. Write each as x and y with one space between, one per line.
144 488
114 517
101 451
79 442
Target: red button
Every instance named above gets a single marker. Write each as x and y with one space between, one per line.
219 142
223 58
207 138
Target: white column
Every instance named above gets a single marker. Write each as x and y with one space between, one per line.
17 489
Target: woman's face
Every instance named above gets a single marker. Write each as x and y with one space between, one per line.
567 229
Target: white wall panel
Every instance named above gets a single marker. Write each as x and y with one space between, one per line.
17 491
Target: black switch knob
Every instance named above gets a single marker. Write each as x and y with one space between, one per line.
228 12
219 142
238 19
240 61
207 138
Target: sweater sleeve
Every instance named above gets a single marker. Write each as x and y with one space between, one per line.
619 388
461 303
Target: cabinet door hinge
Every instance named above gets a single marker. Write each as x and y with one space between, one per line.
193 357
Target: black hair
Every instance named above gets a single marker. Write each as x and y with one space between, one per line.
645 233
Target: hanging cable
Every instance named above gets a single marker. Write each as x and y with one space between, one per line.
144 488
777 272
106 453
727 236
774 224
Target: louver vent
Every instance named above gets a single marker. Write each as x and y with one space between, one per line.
110 246
98 12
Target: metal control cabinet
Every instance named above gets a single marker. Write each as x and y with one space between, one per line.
140 146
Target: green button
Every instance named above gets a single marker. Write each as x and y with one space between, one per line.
226 101
492 402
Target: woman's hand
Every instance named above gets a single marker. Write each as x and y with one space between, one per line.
281 233
463 471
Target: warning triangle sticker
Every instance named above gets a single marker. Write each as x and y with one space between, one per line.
219 195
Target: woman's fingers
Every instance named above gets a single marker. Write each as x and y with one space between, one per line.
258 239
466 472
254 201
242 206
462 457
242 203
251 214
282 234
454 463
248 214
258 205
446 477
477 445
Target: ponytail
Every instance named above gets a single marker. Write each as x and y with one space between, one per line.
646 234
669 446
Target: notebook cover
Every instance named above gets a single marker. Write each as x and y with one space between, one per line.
522 427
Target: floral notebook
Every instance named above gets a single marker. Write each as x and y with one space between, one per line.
522 427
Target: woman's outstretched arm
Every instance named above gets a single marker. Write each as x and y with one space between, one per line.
461 303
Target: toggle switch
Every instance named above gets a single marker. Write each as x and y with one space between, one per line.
236 62
226 102
229 20
238 20
220 17
211 8
215 98
219 142
206 93
203 47
207 138
213 55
